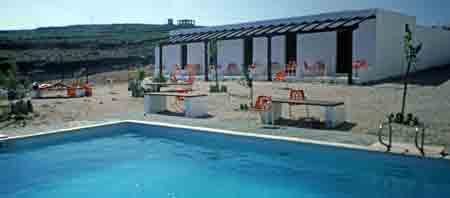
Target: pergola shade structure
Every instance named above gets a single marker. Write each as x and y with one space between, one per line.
316 46
290 27
327 24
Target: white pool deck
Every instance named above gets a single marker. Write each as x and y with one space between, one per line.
398 148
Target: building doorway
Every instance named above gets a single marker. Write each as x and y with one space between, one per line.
344 52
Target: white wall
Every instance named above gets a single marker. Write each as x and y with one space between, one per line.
278 53
314 47
260 57
390 29
364 48
230 52
171 56
196 55
436 47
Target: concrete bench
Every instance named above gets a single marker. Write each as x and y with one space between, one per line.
334 111
195 105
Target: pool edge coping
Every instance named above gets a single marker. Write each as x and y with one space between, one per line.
222 131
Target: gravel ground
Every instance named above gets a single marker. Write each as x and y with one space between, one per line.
366 106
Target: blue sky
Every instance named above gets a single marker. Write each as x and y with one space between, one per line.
27 14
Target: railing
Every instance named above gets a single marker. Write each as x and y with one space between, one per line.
422 141
419 140
380 134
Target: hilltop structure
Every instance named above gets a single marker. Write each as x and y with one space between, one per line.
186 22
357 46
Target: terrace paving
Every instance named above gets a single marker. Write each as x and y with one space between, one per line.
366 107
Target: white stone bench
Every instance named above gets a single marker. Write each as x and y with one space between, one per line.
195 105
334 111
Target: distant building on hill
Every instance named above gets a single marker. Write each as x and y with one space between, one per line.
186 22
170 21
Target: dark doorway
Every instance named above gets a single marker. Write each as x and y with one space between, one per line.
183 56
248 52
345 53
291 47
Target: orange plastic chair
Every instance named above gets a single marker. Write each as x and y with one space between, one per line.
180 99
297 94
280 76
71 92
181 90
173 77
262 104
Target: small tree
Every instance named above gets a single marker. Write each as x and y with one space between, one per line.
411 51
140 74
212 53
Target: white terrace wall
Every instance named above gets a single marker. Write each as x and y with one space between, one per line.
171 56
316 47
230 52
260 57
364 49
436 47
390 30
196 56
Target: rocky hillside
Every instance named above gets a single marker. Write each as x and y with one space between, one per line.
65 49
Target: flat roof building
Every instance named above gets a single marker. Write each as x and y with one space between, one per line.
359 46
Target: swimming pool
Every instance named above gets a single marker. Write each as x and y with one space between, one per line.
140 160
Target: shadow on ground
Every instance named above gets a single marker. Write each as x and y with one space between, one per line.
431 77
181 114
312 123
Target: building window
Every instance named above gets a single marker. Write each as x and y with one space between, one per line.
183 56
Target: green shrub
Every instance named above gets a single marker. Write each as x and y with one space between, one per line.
160 78
140 74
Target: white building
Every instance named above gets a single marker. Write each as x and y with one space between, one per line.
321 46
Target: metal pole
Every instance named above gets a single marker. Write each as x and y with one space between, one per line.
160 60
269 58
206 60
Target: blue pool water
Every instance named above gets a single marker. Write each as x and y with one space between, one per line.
134 160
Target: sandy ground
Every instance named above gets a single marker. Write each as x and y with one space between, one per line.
366 106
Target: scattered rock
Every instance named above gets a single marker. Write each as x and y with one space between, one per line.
406 151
